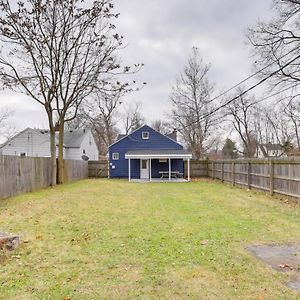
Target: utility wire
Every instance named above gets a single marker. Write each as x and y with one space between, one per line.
251 76
245 91
279 92
253 86
274 94
248 89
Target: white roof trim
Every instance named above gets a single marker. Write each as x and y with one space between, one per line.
139 129
158 156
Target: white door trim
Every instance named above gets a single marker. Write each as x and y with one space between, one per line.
144 172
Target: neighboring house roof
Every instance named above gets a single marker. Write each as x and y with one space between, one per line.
265 148
123 136
41 132
271 147
74 138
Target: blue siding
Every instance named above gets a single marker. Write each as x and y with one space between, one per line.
176 165
134 141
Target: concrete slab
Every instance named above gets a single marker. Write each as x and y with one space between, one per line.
282 258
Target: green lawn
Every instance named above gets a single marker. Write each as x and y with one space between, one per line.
100 239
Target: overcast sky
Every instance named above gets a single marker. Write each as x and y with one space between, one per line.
160 34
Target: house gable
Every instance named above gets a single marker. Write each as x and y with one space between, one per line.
36 143
30 142
154 138
135 141
89 147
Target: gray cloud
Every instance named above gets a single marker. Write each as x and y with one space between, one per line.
161 34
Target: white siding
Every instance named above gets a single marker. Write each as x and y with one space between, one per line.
36 144
88 147
31 142
73 153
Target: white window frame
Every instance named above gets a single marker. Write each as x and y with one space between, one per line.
145 135
115 156
163 160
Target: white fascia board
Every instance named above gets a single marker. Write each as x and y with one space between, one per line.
158 156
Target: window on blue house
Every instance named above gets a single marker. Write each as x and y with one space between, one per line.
145 135
115 156
163 160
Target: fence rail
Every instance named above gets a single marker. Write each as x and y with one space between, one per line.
75 170
26 174
198 168
274 176
98 169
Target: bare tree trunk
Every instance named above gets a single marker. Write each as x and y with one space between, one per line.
53 157
60 179
60 54
52 148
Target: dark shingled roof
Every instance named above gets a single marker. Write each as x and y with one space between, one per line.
120 136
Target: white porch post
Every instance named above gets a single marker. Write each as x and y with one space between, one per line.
169 169
189 171
129 170
150 172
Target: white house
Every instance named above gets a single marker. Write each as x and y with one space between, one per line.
36 143
269 150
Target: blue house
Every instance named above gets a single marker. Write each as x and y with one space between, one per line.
147 155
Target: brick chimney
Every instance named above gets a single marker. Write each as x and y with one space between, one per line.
173 135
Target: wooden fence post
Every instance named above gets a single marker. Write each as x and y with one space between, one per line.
207 167
233 173
249 176
222 171
271 166
213 171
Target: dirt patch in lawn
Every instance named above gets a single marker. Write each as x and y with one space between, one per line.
282 258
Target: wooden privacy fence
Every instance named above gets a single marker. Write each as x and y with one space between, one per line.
75 170
21 175
198 168
275 176
98 169
26 174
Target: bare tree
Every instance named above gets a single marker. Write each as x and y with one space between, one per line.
292 111
241 113
161 126
272 125
7 127
5 114
192 104
58 52
275 45
101 116
132 117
